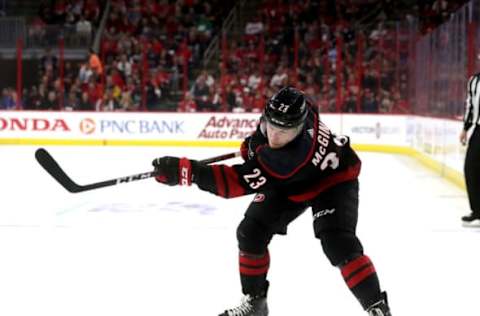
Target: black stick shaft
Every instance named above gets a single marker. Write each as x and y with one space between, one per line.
53 168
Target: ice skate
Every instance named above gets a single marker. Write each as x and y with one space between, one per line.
380 308
472 220
250 306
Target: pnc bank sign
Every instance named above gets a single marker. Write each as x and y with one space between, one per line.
135 126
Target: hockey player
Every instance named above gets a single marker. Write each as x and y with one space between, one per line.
292 162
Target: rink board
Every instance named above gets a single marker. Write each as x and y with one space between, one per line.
433 141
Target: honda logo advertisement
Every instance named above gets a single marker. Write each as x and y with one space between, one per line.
33 124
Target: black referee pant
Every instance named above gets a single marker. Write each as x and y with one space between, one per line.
472 171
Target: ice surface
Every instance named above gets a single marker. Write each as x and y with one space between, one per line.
144 249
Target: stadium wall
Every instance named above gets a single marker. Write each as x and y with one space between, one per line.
432 141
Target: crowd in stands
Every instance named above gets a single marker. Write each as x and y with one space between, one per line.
143 46
73 20
314 45
434 13
297 43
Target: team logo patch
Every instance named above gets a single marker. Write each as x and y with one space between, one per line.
260 197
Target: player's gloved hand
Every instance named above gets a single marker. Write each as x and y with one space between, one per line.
245 148
173 170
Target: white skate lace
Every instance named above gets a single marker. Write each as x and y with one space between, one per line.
244 308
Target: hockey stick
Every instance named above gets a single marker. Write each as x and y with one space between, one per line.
54 169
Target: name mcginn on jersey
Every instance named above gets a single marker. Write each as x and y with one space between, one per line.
323 138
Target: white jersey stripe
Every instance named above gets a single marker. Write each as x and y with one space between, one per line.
472 103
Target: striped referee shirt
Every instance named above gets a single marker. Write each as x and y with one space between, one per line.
472 103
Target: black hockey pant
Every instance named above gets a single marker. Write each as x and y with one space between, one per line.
472 171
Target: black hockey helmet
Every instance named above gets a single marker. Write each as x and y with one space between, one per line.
287 108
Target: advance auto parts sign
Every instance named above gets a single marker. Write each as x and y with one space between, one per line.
229 127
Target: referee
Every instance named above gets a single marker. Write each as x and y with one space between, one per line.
472 158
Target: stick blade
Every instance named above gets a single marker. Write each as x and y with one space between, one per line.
51 166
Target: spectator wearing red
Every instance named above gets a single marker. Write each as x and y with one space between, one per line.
91 10
188 104
184 52
60 9
252 52
165 9
117 79
157 47
111 41
152 7
95 91
161 77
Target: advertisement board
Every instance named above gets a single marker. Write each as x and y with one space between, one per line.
376 129
106 127
435 139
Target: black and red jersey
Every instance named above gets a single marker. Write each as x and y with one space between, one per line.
313 162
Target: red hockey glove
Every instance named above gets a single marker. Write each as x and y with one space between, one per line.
244 149
173 170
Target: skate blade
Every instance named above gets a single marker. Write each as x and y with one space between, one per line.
474 223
